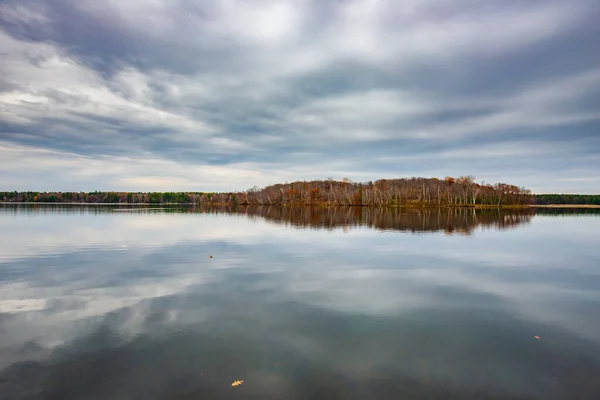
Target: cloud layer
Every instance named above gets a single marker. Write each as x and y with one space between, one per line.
223 95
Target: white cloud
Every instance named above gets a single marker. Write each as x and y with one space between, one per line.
121 173
56 86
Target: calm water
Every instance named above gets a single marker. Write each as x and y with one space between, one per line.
105 303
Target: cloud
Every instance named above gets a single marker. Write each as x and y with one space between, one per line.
213 94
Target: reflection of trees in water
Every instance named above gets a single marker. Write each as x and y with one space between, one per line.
563 212
449 220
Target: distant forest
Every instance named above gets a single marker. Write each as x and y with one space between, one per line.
547 199
419 192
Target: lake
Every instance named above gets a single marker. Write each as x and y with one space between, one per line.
102 302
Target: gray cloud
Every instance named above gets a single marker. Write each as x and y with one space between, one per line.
206 95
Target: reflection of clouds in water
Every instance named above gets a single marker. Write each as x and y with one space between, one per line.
64 305
56 234
58 230
21 305
286 348
358 260
257 276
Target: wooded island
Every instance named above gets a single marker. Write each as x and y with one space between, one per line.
410 192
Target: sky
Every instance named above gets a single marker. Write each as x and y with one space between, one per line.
224 95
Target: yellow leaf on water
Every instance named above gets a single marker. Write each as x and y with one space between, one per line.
236 383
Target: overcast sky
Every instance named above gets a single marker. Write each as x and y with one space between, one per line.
224 95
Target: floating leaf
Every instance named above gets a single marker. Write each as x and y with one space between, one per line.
236 383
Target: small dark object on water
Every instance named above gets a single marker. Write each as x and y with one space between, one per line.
210 256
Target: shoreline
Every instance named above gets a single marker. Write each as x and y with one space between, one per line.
419 206
465 206
565 206
49 203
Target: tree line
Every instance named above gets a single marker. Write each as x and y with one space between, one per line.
425 192
462 191
103 197
547 199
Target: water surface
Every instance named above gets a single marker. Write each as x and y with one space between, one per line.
357 303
